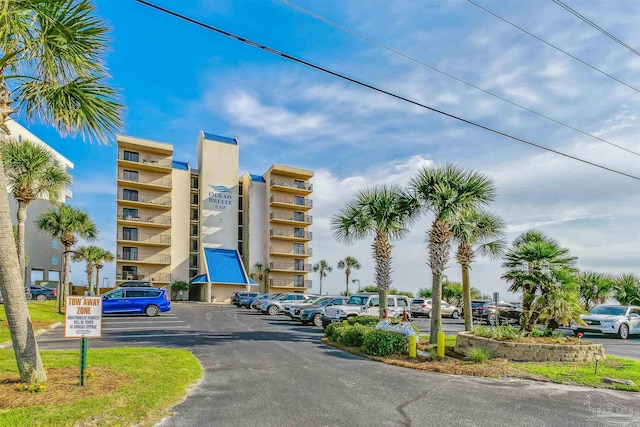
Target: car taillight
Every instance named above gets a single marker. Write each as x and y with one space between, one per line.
166 296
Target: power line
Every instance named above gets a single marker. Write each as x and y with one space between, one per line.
374 88
553 46
417 61
596 26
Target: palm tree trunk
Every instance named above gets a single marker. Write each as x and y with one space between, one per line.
67 269
382 256
25 347
22 258
436 313
89 271
466 298
98 279
320 282
439 248
347 273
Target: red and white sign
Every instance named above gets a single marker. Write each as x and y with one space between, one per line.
83 317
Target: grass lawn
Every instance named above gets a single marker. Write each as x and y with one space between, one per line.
43 315
124 386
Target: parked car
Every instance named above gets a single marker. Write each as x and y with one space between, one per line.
366 304
27 294
622 320
237 296
313 312
509 313
253 302
276 306
480 309
422 307
136 284
144 300
40 293
290 309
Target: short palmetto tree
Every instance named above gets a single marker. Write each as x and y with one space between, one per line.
533 265
51 71
348 264
90 255
558 303
594 288
383 212
446 192
67 224
626 289
260 274
32 172
477 232
323 268
101 257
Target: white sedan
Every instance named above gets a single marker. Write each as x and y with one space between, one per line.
622 320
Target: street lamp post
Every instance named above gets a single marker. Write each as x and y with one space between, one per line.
356 280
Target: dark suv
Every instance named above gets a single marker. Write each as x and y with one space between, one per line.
485 311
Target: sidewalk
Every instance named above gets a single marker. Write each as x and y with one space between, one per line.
8 344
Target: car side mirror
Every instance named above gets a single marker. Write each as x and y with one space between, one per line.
634 315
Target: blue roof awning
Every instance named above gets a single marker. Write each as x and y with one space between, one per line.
201 278
225 266
256 178
212 137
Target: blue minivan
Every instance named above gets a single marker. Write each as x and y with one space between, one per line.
149 301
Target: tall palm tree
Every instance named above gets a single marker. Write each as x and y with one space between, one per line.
32 172
323 268
347 264
260 273
90 255
102 257
383 212
446 192
67 224
594 288
51 71
476 232
531 263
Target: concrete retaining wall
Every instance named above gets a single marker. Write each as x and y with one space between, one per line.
530 352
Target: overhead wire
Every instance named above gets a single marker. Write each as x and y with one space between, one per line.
374 88
596 26
554 46
431 67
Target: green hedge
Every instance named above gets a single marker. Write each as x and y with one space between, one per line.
371 341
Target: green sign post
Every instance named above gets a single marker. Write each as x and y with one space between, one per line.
83 319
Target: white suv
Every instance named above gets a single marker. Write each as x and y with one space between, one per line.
366 304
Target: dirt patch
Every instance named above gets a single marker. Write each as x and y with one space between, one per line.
61 387
36 324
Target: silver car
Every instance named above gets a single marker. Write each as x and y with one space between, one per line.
422 307
623 320
276 306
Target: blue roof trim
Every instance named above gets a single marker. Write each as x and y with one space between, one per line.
219 138
180 165
256 178
201 278
224 266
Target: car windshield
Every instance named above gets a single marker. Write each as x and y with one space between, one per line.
322 301
357 300
417 301
613 310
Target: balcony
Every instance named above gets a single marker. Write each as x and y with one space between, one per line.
159 221
291 186
289 266
289 283
145 238
144 199
145 161
290 217
135 180
145 258
288 234
304 252
291 202
148 277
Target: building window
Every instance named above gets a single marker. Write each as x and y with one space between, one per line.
53 276
54 260
129 233
131 156
194 229
298 216
129 213
239 218
298 248
130 195
240 189
298 184
129 253
54 244
298 200
194 199
240 250
298 232
129 272
193 245
240 233
298 264
194 182
193 273
128 175
298 280
36 275
194 214
193 261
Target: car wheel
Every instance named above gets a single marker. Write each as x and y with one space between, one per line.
273 310
455 315
491 319
317 319
41 297
623 332
151 310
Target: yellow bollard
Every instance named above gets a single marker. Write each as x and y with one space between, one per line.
412 346
440 344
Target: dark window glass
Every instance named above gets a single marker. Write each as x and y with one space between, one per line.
129 233
130 175
130 195
298 216
131 156
298 232
129 213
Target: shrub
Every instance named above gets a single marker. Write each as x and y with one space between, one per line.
353 336
501 333
363 320
478 355
383 343
334 331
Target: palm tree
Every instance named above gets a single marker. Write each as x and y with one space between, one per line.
260 274
67 224
31 171
594 288
531 263
558 303
383 212
446 192
323 268
347 264
90 255
51 71
476 232
627 289
102 257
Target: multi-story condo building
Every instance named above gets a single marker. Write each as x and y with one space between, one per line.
44 253
207 225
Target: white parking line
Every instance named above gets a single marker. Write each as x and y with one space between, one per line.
112 337
155 320
149 327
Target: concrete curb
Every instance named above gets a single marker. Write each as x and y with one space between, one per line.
8 344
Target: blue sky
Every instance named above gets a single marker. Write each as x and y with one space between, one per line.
177 79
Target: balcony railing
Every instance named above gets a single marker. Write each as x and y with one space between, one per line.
307 219
288 251
289 283
157 219
155 277
134 177
144 257
147 160
144 238
283 232
145 198
292 201
289 266
291 184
